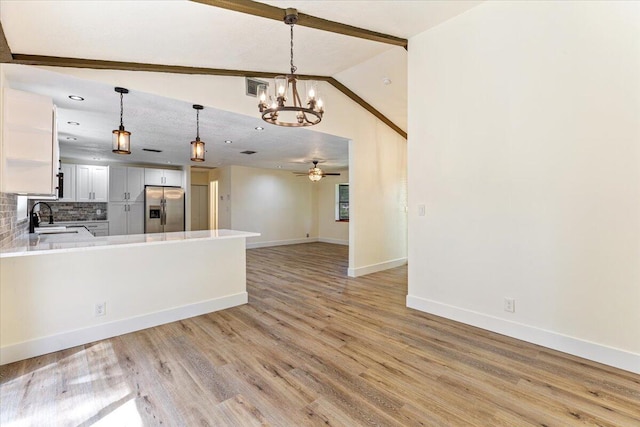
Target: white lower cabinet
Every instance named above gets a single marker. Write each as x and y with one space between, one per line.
126 218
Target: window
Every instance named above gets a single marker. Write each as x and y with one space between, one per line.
342 202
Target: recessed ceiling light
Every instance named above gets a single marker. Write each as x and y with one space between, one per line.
259 128
71 138
76 98
168 163
228 141
74 123
96 158
386 81
279 167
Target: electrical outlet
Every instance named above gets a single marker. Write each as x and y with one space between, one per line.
101 309
510 305
422 209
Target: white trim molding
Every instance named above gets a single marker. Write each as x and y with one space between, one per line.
333 241
280 243
589 350
374 268
44 345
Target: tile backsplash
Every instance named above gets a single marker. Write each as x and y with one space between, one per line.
11 226
70 211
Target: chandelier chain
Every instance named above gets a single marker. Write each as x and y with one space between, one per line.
121 109
197 124
293 67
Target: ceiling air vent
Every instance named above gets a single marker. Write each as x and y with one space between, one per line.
248 152
152 150
252 86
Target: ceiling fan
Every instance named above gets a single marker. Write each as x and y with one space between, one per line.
315 173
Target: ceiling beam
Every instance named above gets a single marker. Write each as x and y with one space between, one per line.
56 61
271 12
5 51
364 104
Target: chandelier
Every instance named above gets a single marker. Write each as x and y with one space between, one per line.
276 111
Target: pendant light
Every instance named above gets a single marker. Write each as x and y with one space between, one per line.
121 138
274 109
197 146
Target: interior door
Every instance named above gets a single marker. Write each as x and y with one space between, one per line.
199 207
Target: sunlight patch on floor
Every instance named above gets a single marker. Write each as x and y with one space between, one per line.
126 415
89 388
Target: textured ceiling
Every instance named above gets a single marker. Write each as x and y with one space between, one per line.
186 33
170 125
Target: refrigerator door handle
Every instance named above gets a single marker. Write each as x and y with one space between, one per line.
163 215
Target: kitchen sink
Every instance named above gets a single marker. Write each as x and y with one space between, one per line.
55 230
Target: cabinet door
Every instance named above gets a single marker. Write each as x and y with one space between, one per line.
100 181
27 162
135 184
83 183
173 178
69 183
153 176
117 184
117 219
136 218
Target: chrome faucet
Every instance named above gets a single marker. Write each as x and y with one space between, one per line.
33 218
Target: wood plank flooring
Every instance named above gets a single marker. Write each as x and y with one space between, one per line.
314 347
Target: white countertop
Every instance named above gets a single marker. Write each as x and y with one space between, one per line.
35 244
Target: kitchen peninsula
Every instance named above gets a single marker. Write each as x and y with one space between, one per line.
58 291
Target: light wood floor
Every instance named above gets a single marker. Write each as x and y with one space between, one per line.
314 347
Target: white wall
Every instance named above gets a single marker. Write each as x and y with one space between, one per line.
328 229
524 124
223 177
275 203
377 230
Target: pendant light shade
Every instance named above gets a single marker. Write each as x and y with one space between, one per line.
197 146
315 174
121 138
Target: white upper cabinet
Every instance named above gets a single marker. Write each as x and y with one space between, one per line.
126 184
29 160
92 183
163 177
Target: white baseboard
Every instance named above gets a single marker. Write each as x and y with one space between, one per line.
333 241
597 352
374 268
280 243
40 346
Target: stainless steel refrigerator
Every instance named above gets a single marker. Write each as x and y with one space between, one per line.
163 209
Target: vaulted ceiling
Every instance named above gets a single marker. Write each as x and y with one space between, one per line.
226 37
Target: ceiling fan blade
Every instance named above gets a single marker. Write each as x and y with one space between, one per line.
327 174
